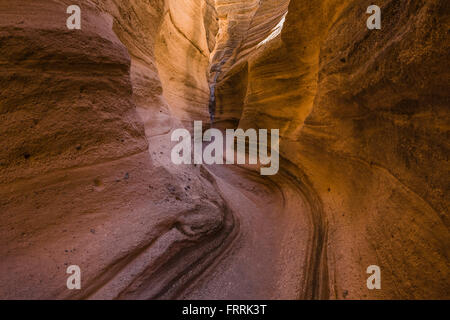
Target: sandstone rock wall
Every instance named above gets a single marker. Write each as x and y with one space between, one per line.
85 170
182 52
243 26
79 183
364 124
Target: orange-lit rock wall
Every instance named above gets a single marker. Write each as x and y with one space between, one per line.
364 123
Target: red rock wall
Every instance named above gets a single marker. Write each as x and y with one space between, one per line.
79 183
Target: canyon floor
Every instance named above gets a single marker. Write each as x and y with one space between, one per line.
266 258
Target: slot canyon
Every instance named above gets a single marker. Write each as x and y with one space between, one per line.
86 176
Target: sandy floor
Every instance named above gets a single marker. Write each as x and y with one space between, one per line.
262 261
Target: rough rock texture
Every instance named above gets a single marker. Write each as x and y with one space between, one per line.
85 170
364 123
78 185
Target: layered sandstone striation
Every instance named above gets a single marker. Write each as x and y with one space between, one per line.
78 183
86 177
364 123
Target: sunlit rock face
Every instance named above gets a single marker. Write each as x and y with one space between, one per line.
364 123
243 28
182 53
85 170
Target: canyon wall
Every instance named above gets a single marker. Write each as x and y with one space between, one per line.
79 183
363 118
85 171
182 53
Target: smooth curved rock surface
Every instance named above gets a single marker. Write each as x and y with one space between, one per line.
364 125
79 185
86 177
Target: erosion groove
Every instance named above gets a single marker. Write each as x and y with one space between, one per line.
86 170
